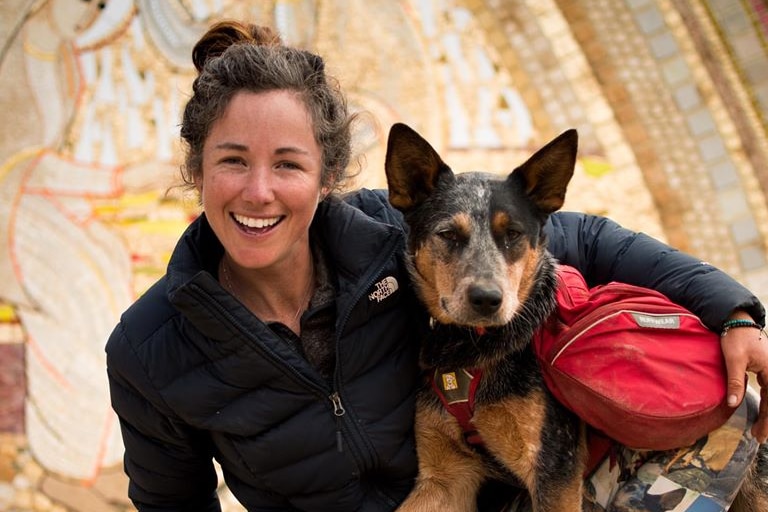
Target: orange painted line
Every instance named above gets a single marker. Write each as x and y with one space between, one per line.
38 154
46 364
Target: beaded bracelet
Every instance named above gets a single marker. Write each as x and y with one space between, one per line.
739 322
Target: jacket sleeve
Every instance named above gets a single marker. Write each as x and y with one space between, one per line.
170 465
603 251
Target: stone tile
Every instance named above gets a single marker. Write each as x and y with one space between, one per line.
712 148
761 93
9 451
733 204
733 21
637 4
650 20
675 71
700 122
663 45
76 496
112 483
752 258
723 174
757 70
12 388
687 97
744 231
747 46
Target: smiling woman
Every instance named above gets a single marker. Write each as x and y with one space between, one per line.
274 289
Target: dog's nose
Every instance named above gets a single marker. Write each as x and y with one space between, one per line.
485 299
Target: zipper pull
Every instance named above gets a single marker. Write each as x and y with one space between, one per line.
338 411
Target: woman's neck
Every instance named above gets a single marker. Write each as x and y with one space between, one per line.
275 295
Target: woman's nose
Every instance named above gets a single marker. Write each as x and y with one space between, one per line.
259 186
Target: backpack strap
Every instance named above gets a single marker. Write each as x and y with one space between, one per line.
456 390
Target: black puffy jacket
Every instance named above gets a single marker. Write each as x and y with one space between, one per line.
193 375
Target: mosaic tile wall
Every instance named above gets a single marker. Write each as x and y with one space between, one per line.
670 98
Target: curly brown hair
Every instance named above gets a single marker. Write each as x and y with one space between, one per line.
232 57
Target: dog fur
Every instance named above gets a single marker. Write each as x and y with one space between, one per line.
478 261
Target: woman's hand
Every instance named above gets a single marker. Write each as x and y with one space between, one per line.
746 350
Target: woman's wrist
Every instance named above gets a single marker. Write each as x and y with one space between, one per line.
739 319
732 324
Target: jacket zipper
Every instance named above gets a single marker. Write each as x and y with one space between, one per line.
361 447
347 432
338 411
321 390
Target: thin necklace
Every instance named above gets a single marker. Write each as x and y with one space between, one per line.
305 301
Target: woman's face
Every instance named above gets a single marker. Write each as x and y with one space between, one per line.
261 179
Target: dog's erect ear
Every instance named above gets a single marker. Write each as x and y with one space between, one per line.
546 174
412 166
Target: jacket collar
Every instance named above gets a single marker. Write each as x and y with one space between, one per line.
198 250
351 238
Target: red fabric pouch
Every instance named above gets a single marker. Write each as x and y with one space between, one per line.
632 364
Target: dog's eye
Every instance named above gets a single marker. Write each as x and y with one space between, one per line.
449 235
452 237
511 237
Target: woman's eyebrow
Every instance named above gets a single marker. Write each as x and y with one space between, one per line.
232 145
291 149
242 147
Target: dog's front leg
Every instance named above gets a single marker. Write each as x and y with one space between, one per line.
541 444
450 473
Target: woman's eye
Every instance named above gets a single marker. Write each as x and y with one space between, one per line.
288 165
233 160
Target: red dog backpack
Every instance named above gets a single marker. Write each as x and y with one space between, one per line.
632 364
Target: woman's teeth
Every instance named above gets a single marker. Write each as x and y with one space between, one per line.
256 223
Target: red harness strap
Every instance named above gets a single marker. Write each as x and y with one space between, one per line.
456 390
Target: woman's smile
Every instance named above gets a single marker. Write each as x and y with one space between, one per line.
256 224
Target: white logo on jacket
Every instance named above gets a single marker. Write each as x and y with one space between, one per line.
384 289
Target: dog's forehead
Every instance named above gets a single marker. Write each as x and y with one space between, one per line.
476 188
479 194
479 183
477 177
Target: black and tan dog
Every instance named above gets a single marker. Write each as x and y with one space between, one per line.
479 263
